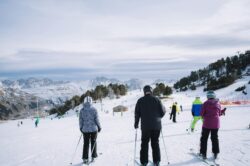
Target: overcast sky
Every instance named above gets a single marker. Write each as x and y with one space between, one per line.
147 39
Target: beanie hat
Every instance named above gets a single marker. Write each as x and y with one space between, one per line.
211 95
88 99
147 89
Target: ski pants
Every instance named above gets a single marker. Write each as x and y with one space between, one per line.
214 138
173 113
195 120
89 137
146 136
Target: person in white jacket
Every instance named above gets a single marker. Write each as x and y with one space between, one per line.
89 126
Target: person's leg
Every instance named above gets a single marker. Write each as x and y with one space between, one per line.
93 144
195 120
155 134
215 141
145 137
85 153
174 116
203 143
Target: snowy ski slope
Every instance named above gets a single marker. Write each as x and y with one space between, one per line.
54 141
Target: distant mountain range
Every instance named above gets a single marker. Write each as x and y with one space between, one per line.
18 98
15 104
31 83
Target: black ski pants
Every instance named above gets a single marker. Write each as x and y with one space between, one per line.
214 138
173 114
146 136
89 137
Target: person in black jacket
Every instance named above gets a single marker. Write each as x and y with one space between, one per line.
174 111
150 110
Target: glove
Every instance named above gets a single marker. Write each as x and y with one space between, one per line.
223 112
99 129
81 130
192 113
136 126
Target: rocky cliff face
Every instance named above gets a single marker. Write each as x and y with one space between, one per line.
16 104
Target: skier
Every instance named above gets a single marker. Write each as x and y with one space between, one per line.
150 110
175 110
37 121
211 112
89 126
196 112
181 108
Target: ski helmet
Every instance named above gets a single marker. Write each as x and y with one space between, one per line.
147 89
211 95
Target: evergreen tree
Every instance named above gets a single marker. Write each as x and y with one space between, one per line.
193 87
219 74
156 91
167 91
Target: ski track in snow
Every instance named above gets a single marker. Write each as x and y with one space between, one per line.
54 141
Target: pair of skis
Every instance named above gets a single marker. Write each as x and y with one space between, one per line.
214 162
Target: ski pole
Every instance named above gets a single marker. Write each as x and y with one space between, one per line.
75 150
165 147
135 145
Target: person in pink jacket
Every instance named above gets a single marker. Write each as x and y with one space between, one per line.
210 112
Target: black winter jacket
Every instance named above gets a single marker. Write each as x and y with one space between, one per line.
150 110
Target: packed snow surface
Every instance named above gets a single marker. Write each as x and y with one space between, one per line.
54 141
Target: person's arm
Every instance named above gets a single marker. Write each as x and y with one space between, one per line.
97 121
162 109
222 112
80 121
177 109
137 115
203 110
192 110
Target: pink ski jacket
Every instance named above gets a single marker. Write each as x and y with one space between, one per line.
211 112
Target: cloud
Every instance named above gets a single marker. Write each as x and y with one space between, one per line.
195 41
119 37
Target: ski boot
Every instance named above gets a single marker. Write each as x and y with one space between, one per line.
157 163
216 156
203 156
85 161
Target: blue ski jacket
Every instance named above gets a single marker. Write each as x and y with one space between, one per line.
88 118
196 107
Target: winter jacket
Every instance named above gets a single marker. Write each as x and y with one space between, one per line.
175 108
196 107
211 112
150 110
88 119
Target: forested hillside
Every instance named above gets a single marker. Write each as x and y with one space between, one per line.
216 75
100 92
